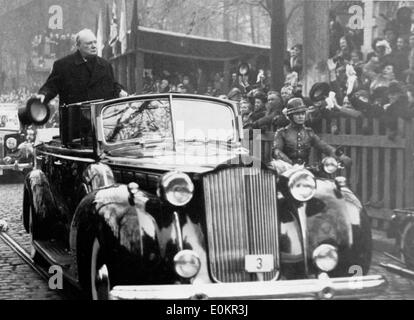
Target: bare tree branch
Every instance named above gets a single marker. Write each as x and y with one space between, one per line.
296 7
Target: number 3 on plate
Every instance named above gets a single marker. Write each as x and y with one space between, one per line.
259 263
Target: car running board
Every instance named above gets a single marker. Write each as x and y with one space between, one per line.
398 270
54 252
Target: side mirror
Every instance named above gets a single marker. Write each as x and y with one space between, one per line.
35 113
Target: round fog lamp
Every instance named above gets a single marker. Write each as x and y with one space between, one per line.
178 188
325 257
302 185
187 264
11 143
330 165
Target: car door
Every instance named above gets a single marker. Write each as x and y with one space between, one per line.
64 162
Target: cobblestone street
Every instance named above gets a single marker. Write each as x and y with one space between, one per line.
19 281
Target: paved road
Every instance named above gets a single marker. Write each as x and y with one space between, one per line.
18 281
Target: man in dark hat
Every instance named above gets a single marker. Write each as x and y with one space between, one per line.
293 144
319 92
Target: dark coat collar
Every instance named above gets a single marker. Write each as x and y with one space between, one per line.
80 60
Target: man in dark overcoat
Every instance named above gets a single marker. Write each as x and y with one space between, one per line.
81 76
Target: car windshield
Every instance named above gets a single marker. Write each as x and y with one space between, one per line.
152 121
137 121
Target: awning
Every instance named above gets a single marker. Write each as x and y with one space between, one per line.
194 47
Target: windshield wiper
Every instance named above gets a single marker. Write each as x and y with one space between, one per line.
209 141
150 144
139 143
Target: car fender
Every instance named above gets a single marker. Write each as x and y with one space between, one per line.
38 194
120 219
291 247
332 217
98 176
292 258
337 216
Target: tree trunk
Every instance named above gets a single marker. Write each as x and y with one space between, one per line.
236 25
278 34
252 24
226 20
315 44
144 12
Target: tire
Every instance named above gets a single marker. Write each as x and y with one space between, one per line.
91 259
99 277
407 242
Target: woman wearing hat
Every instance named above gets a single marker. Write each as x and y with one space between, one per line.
292 144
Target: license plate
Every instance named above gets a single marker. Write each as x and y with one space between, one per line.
259 263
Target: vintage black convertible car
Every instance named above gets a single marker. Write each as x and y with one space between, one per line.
154 197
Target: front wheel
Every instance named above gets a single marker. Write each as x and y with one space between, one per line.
92 266
407 242
99 275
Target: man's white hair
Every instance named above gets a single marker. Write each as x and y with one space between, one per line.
83 33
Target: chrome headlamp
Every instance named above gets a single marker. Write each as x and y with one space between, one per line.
330 165
325 257
11 143
177 188
187 264
302 185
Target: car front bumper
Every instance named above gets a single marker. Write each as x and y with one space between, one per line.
15 167
339 288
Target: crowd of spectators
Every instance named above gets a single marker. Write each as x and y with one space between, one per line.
48 47
199 83
52 45
380 85
19 97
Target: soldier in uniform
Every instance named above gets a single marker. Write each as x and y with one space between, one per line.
292 144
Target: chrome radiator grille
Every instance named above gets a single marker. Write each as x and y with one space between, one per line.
241 215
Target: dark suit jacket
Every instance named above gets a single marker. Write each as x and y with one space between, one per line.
72 81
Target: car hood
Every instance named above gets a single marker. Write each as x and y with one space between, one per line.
194 159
